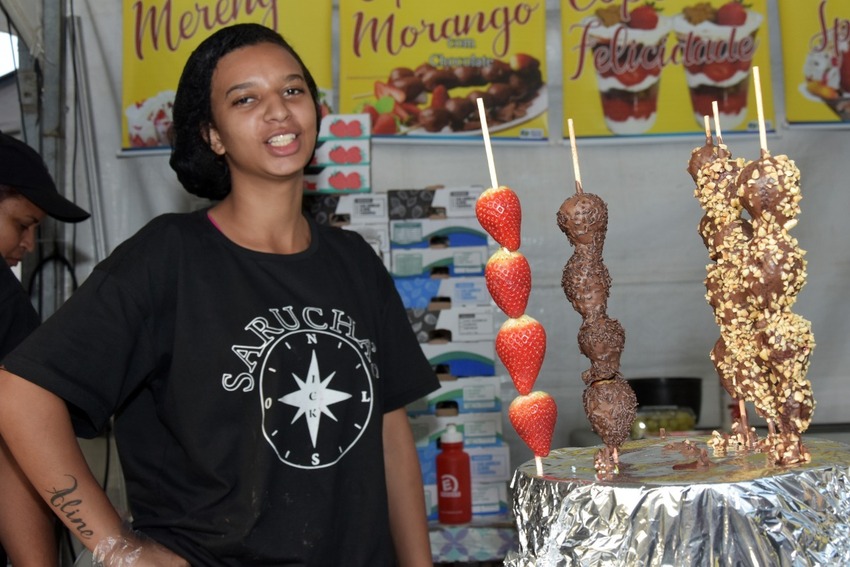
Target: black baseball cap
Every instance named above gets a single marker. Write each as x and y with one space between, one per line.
23 169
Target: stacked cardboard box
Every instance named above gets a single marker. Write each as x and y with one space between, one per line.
365 213
342 161
438 251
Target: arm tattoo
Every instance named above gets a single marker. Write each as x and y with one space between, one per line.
68 507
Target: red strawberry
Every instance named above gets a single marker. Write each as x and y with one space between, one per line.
339 128
508 278
533 416
337 180
371 111
385 124
731 14
521 346
383 89
643 18
523 62
439 97
499 212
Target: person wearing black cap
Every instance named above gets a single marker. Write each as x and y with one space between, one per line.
27 195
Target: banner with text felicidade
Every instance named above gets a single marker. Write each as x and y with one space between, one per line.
636 68
159 35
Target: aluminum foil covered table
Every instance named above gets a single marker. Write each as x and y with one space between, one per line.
662 510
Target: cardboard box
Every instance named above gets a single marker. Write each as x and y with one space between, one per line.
434 202
345 209
462 359
438 233
486 464
345 126
488 499
441 293
342 152
456 324
338 179
437 262
472 394
478 429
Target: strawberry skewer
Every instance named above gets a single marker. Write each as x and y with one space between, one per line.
521 341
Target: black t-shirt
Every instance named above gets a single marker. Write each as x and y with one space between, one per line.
248 388
17 317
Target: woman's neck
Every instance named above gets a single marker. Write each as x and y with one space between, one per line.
266 222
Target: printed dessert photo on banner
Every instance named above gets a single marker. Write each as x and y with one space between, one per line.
418 68
159 36
638 67
816 61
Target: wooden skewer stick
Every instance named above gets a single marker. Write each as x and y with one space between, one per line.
707 126
759 108
539 462
576 170
485 131
716 112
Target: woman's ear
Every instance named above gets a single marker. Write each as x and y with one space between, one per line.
210 134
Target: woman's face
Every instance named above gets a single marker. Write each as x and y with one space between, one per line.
19 218
264 117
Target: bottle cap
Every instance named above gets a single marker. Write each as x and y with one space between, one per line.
452 435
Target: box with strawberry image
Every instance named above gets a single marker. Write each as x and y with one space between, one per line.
717 48
628 51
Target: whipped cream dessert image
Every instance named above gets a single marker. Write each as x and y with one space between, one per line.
628 59
826 72
148 121
718 45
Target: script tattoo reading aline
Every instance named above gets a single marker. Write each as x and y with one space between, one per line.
315 380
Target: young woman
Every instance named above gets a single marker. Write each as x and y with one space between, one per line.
257 364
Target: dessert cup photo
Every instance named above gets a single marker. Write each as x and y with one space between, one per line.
827 73
627 57
718 45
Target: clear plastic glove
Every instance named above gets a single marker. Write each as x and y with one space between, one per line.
134 549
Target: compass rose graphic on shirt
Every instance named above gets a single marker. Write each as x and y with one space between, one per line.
316 391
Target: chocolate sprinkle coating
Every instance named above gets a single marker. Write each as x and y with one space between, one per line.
610 406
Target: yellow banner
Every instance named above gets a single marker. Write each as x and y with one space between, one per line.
159 35
816 60
634 68
418 67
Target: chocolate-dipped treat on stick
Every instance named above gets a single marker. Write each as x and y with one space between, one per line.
609 401
769 190
726 235
521 340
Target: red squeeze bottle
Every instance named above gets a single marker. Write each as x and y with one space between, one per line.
454 486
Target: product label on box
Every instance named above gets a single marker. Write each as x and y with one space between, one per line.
460 324
426 292
434 261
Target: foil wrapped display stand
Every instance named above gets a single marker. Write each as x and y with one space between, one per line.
663 509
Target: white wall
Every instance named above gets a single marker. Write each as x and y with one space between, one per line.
655 257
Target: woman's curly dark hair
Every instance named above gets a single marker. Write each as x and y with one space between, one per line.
201 171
